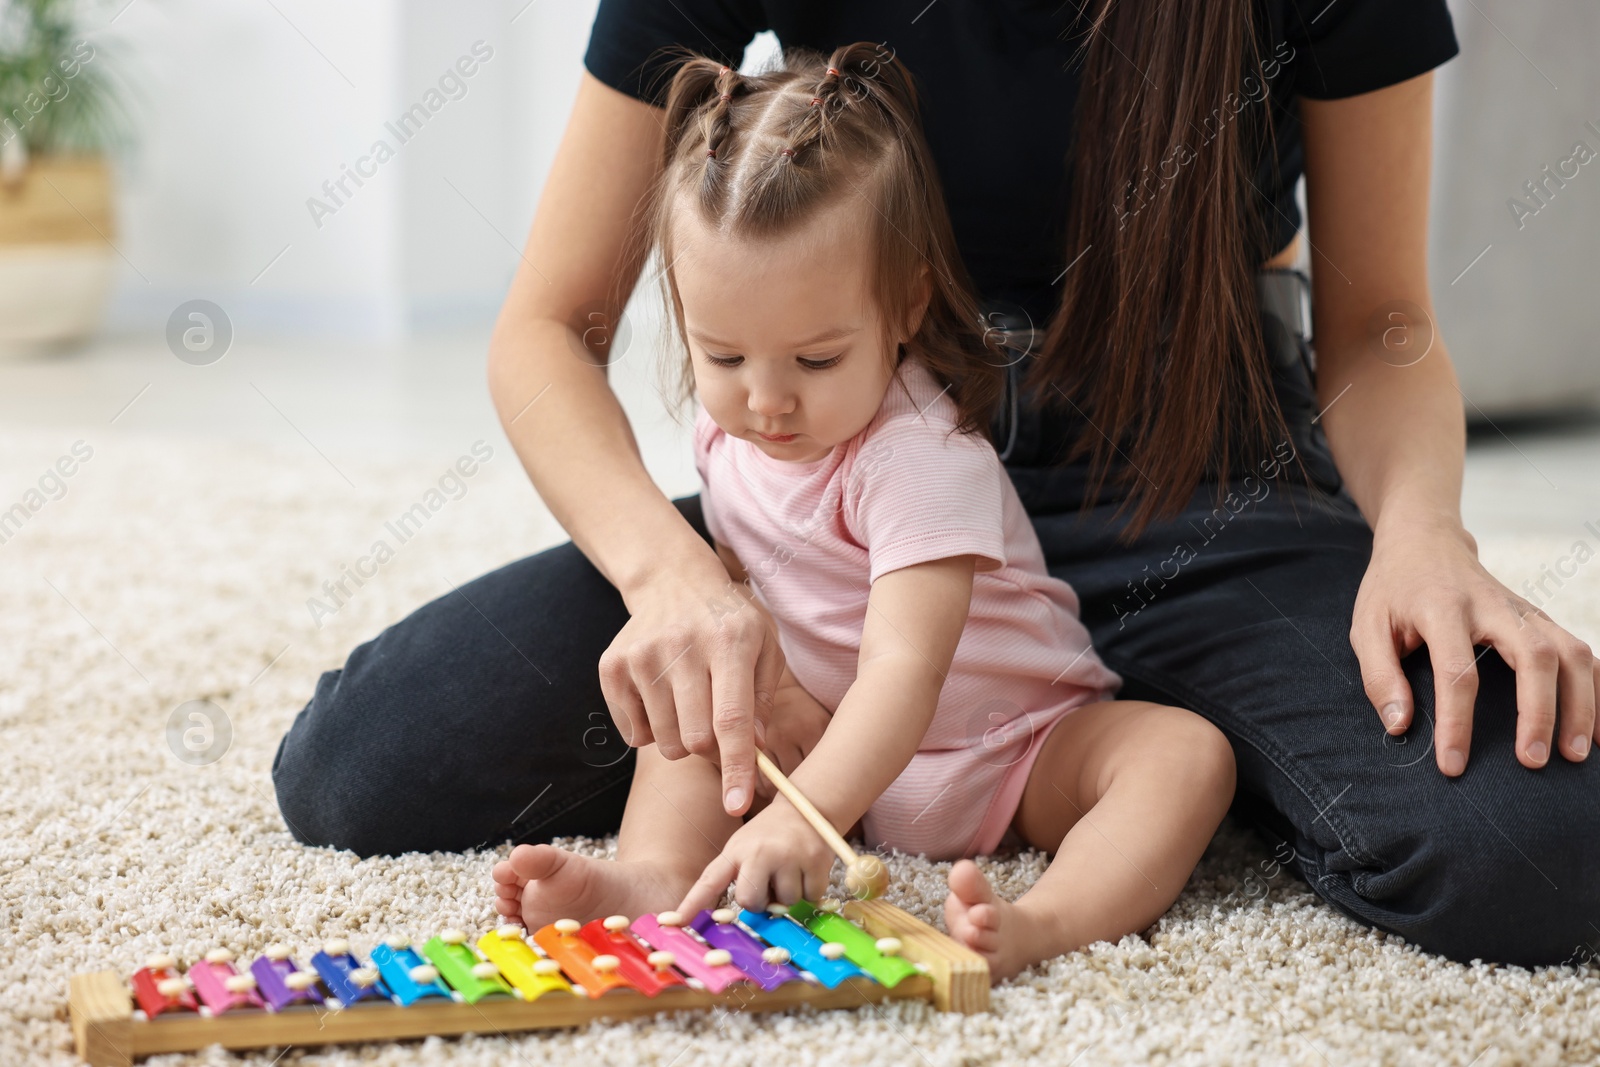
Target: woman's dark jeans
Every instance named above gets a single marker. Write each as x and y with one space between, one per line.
479 718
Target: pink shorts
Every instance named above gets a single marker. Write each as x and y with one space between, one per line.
955 802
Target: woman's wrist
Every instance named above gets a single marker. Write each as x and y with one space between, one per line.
1410 520
668 569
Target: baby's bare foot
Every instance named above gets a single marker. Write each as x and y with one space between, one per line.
538 884
1009 936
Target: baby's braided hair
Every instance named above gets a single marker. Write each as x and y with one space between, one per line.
826 99
703 108
857 76
758 155
717 123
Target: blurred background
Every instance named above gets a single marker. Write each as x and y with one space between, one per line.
347 299
360 317
244 427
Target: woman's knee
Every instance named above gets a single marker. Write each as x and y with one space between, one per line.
1496 874
480 714
477 717
325 793
1521 902
1506 845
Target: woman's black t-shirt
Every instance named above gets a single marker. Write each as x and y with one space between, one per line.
998 90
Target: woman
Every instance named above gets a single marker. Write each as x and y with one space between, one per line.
1283 554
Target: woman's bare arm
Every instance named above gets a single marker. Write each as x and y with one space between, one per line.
555 403
1397 430
677 674
1393 413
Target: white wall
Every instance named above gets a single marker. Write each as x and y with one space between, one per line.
1516 300
244 108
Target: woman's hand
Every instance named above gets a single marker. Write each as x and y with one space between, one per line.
1425 584
793 730
695 670
776 856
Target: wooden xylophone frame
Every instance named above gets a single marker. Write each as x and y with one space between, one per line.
106 1032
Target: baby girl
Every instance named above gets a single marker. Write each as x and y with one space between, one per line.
845 385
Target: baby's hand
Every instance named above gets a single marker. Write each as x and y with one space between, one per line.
774 856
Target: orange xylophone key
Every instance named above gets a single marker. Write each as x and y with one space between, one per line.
595 971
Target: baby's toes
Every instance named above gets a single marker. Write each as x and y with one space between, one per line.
959 921
528 863
978 938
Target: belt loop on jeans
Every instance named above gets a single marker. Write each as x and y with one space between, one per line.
1285 294
1018 336
1285 299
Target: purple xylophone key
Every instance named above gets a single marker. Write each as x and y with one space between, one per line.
280 982
767 966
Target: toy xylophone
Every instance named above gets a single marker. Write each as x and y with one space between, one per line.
566 974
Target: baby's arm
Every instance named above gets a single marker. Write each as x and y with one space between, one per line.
915 618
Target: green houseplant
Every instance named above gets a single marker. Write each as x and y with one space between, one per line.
59 120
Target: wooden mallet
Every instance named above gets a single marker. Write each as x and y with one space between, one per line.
866 877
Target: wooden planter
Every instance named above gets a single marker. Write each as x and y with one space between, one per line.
56 262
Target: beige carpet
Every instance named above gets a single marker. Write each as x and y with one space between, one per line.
171 572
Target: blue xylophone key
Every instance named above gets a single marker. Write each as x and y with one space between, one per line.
348 981
748 954
409 977
805 948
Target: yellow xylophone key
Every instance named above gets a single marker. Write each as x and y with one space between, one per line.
530 973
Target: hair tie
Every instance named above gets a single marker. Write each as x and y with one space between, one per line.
726 96
815 100
834 71
723 71
788 151
711 152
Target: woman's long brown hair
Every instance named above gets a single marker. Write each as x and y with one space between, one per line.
1156 343
762 154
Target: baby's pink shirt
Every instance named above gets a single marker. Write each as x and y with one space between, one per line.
813 536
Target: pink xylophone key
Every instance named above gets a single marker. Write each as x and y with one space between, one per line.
711 966
220 986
